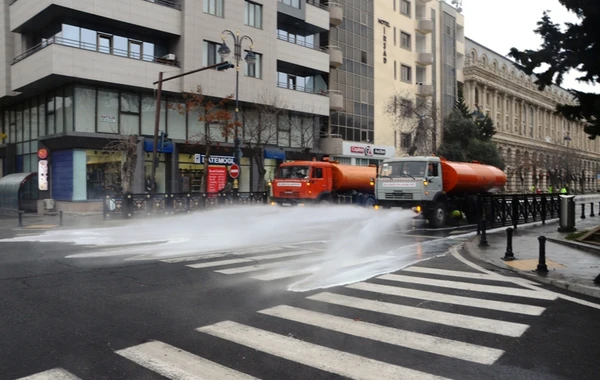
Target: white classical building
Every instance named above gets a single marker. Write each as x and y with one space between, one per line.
536 144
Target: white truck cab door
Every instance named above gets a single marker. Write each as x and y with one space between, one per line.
434 177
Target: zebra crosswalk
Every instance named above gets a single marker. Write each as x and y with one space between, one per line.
454 318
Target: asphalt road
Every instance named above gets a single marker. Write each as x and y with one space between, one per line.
232 314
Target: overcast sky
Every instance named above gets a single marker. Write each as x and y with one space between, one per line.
502 24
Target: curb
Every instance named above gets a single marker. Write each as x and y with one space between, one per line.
573 287
576 245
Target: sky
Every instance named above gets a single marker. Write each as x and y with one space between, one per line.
503 24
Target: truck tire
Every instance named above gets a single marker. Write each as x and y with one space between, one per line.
437 215
370 202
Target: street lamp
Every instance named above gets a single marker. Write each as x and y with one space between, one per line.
250 58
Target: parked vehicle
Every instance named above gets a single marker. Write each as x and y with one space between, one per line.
435 187
302 182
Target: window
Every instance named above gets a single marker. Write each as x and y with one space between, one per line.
253 15
135 49
405 40
291 3
363 57
210 56
405 7
432 170
254 70
213 7
364 96
406 107
405 73
395 70
318 173
405 140
394 36
105 43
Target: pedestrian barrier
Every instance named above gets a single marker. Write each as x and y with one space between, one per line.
592 209
509 254
583 211
501 210
131 205
542 267
483 240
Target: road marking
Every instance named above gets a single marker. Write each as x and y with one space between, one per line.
469 286
222 253
278 275
174 363
52 374
247 260
456 273
398 337
313 355
449 319
450 299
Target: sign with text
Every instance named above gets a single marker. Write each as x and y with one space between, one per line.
214 160
385 24
366 150
43 175
217 178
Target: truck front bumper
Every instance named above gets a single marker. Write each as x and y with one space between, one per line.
288 202
399 204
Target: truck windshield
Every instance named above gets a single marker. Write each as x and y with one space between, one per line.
400 169
287 172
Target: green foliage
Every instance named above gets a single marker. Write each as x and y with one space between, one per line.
467 140
461 106
576 48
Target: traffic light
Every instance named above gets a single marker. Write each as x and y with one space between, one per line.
225 66
163 138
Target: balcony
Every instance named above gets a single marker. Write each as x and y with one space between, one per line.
336 13
336 56
303 99
317 14
336 100
302 53
424 59
58 58
153 15
424 26
424 90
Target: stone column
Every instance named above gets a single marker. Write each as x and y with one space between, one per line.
494 106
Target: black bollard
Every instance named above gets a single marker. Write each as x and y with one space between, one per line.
583 211
60 218
542 267
20 218
509 255
592 207
483 240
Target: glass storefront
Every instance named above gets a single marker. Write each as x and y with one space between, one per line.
103 170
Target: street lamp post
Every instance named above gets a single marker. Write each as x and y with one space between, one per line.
250 58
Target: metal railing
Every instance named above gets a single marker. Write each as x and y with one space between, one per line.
293 40
166 3
317 4
119 206
294 87
514 209
92 47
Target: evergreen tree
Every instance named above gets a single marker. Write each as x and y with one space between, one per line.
461 105
576 48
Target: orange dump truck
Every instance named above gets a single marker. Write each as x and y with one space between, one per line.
302 182
435 186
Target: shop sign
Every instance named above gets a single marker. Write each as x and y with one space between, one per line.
367 151
214 160
43 175
108 119
43 154
385 24
217 179
358 149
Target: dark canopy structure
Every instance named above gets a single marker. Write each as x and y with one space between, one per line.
18 191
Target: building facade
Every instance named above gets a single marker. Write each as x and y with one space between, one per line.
540 149
77 76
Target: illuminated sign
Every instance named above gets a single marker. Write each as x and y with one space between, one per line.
214 160
43 175
42 154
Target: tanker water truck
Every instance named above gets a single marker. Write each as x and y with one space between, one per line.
434 186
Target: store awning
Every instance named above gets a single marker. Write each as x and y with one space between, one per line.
274 153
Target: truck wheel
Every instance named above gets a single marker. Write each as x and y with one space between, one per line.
370 202
438 215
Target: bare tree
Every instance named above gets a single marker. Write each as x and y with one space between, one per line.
128 146
261 128
216 120
415 118
304 132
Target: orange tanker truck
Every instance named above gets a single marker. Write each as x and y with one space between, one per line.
434 186
304 182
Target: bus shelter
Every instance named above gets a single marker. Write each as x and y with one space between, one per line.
18 191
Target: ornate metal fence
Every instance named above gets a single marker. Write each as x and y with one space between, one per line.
133 205
513 209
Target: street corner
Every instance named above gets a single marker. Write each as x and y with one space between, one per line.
528 265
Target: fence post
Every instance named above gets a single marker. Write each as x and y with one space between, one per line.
478 213
583 211
542 267
509 255
515 212
20 219
483 240
592 207
60 218
544 209
128 205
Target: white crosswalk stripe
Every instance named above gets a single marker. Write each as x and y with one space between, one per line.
174 363
220 263
53 374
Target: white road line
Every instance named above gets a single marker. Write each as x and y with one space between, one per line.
278 275
323 358
450 319
250 259
398 337
174 363
456 273
257 267
222 253
52 374
469 286
450 299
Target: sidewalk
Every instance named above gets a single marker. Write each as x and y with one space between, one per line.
47 222
569 268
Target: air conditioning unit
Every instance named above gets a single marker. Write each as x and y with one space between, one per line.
49 204
169 57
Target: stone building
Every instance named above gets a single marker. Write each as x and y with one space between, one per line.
539 147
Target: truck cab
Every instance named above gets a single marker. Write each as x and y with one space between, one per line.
301 182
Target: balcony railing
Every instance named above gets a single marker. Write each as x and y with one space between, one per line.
166 3
93 47
293 40
294 87
317 4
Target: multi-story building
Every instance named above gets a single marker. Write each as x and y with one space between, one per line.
78 75
535 143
